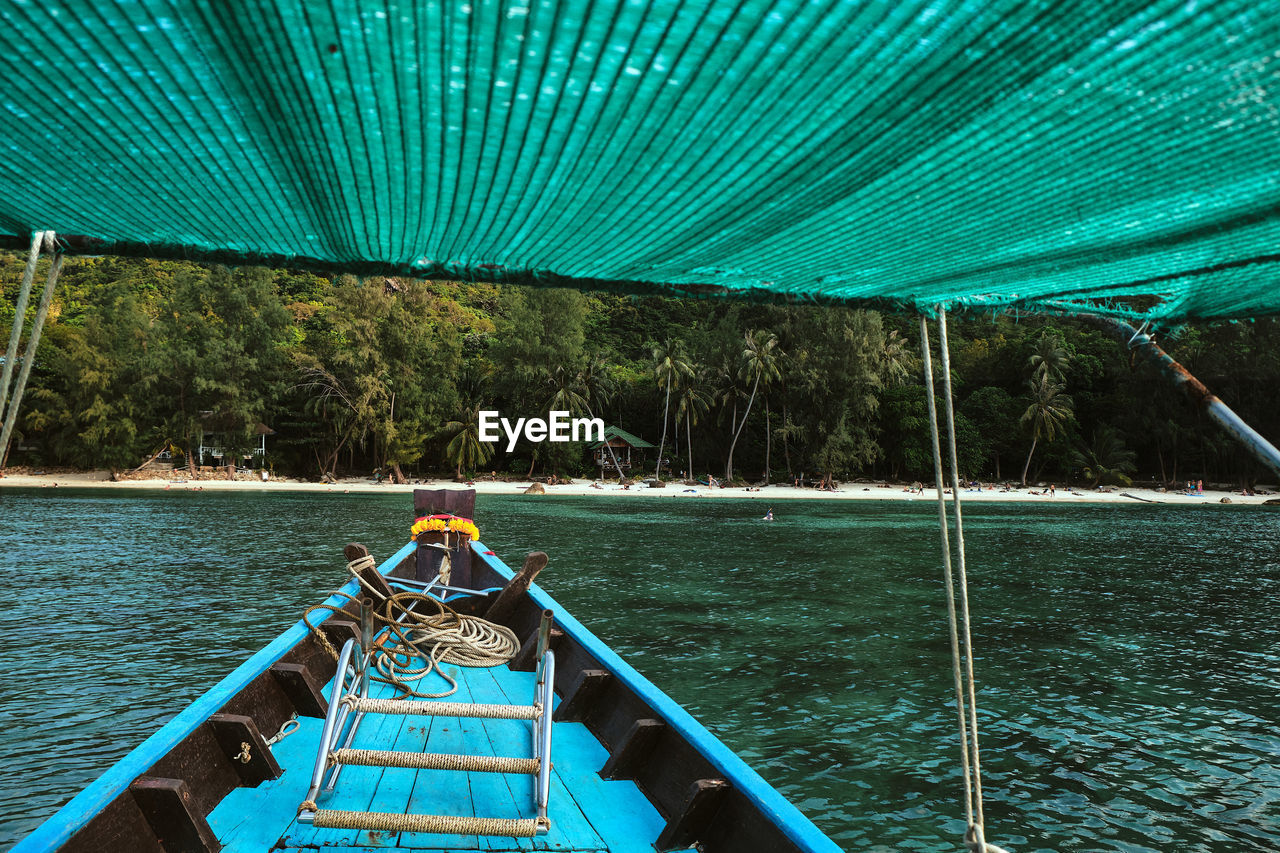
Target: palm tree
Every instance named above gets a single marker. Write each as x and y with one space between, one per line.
1050 358
599 387
759 362
670 367
349 409
897 359
788 431
1050 409
573 391
568 393
692 402
598 384
727 388
466 450
1105 458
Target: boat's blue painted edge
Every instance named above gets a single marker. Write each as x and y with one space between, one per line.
793 822
59 828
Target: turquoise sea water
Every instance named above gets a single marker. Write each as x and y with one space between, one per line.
1129 656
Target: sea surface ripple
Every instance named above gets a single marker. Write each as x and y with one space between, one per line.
1128 656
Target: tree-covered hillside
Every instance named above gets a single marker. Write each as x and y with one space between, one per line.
140 356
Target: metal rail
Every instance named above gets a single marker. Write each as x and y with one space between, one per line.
427 586
336 717
545 693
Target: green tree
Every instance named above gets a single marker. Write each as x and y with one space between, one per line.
670 368
568 394
760 363
465 449
1050 357
93 405
599 387
837 374
996 415
1049 411
221 352
693 402
1105 458
380 369
538 331
904 421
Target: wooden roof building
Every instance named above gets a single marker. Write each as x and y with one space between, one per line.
622 443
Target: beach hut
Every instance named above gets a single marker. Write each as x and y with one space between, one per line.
622 443
214 435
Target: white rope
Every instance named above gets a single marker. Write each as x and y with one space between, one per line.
433 638
29 355
961 675
19 316
946 565
944 351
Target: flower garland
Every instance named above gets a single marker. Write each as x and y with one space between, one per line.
445 524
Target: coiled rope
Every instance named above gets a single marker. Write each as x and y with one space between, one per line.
416 643
962 671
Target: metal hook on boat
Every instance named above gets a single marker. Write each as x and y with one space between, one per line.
287 728
1137 334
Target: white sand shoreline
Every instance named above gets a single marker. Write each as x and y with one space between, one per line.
847 491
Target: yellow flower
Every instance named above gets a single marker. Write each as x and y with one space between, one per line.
445 524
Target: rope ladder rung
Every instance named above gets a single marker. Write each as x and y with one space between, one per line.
469 710
436 761
437 824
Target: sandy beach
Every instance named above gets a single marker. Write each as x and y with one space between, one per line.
846 491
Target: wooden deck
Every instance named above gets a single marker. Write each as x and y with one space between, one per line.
587 812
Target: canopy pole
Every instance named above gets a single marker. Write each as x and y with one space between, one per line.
1139 341
33 342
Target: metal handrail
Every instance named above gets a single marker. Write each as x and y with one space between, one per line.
542 750
336 717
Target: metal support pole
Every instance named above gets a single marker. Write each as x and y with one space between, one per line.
28 358
1139 341
544 641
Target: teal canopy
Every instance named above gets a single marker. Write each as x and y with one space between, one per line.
1100 156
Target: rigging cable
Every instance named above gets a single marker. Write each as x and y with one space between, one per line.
962 672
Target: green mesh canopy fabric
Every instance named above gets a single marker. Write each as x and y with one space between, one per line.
1115 156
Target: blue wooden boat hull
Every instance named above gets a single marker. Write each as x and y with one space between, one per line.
181 790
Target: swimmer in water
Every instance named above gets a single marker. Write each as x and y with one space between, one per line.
768 516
